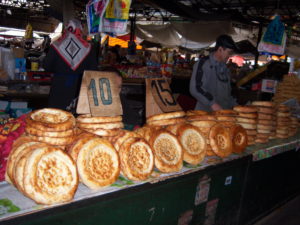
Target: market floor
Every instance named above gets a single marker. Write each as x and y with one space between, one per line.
288 214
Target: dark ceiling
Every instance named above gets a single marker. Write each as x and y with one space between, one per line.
245 12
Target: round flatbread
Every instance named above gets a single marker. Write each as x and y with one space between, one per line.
36 132
246 120
136 159
102 132
227 112
164 116
266 110
239 138
50 176
251 132
204 123
266 122
125 135
193 143
107 126
226 118
263 116
200 118
166 122
88 118
265 127
98 163
167 151
245 109
220 140
196 112
248 125
53 140
263 103
248 115
50 119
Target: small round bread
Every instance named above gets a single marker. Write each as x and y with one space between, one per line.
227 112
266 122
146 132
220 140
263 116
164 116
193 143
125 135
263 103
245 109
248 125
246 120
50 119
36 132
239 138
53 140
88 118
283 114
200 117
136 159
266 110
107 126
102 132
50 176
98 163
248 115
166 122
265 127
226 118
196 112
173 128
167 150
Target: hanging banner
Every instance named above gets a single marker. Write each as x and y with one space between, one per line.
274 38
95 10
116 16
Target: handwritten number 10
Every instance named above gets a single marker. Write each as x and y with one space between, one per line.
102 82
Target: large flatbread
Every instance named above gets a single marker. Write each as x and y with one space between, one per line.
167 151
193 142
220 140
136 158
98 163
50 176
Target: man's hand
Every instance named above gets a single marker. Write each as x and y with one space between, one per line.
216 107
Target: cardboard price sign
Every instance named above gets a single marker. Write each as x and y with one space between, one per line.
159 97
99 94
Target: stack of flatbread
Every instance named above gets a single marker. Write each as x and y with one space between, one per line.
286 125
104 126
247 118
97 161
288 88
52 126
166 119
266 124
42 172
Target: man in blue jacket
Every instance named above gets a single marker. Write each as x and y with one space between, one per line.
210 81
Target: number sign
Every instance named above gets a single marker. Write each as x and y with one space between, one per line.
99 94
161 93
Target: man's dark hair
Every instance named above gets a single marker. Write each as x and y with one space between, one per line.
225 41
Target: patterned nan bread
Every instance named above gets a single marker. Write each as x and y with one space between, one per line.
88 118
98 163
137 160
49 119
50 176
165 116
193 143
239 138
167 151
125 135
220 140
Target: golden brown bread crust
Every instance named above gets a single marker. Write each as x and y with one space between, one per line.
226 112
110 125
193 142
226 118
203 123
220 140
283 114
263 116
36 132
50 119
245 109
50 176
248 115
165 116
196 112
246 120
126 134
53 140
239 138
146 131
136 159
102 132
265 127
266 110
168 154
263 103
250 126
209 151
261 140
88 118
251 132
98 163
200 117
166 122
266 122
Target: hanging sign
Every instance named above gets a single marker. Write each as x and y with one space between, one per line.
159 97
99 94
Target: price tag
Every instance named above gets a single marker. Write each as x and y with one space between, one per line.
99 94
159 97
